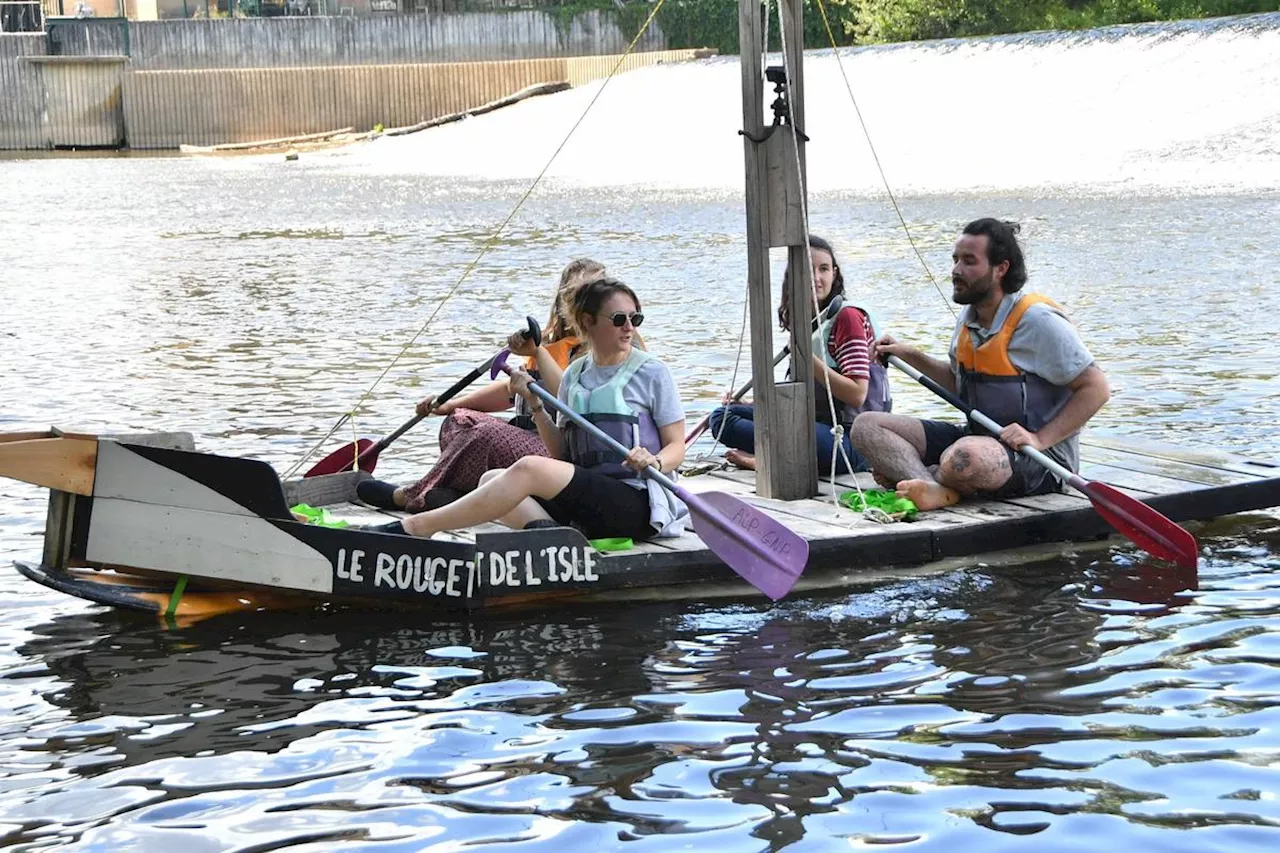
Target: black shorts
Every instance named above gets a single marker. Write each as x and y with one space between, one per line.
1028 478
601 507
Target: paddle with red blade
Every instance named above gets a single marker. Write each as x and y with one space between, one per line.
833 308
1147 528
766 554
363 454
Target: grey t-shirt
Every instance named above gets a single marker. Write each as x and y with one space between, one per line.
1045 343
652 389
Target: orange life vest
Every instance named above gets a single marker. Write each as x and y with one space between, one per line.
991 383
561 352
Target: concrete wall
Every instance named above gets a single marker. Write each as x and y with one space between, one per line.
165 109
158 84
21 93
82 103
381 40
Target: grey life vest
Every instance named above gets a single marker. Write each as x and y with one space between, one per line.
879 399
607 408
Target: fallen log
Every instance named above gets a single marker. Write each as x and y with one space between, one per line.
263 143
526 92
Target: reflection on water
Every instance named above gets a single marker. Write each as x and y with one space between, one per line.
1085 704
968 709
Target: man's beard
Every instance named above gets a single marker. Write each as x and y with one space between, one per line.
974 291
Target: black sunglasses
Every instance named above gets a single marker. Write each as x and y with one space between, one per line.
619 319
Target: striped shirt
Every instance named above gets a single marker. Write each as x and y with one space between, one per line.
850 343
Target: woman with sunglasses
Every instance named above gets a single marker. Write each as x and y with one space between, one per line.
841 363
623 390
471 441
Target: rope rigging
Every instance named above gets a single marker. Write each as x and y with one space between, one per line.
837 429
489 243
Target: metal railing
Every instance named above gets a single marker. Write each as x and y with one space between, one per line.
21 16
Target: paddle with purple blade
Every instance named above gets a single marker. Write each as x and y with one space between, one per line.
765 553
1146 527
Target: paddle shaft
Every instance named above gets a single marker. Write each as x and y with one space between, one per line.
1061 471
1138 521
694 503
450 393
700 427
533 331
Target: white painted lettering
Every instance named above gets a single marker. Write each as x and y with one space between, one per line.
496 569
589 567
435 583
385 565
356 568
452 587
529 579
551 562
566 567
512 567
420 567
342 565
404 571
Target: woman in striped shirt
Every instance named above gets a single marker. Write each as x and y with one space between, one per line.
841 363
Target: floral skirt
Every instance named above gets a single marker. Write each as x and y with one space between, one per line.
470 444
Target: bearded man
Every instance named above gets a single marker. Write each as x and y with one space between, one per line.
1016 358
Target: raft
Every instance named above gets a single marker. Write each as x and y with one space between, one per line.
148 523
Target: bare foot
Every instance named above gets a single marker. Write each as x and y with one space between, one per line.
882 481
928 494
416 525
741 459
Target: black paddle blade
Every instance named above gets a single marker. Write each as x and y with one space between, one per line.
1148 529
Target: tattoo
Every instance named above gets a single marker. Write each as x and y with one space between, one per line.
1004 462
960 461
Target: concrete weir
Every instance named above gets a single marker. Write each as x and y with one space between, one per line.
113 83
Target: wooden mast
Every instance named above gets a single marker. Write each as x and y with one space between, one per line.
786 459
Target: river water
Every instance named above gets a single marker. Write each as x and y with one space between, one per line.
1087 700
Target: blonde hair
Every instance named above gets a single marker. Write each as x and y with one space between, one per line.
573 277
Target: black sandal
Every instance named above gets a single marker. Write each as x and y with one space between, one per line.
394 527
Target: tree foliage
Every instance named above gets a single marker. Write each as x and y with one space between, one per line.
714 23
908 20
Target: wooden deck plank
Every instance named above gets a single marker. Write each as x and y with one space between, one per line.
839 538
1213 501
1200 456
1136 482
1053 502
323 491
1171 468
968 512
360 514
